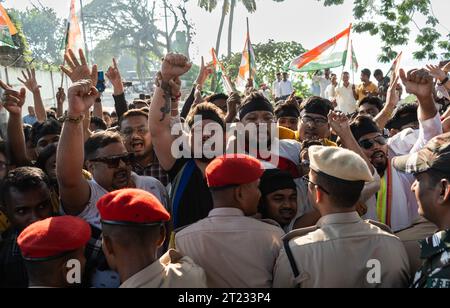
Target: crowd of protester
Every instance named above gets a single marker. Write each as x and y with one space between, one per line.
359 176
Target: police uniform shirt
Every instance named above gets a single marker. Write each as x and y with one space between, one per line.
344 251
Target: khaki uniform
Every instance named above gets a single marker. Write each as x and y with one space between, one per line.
171 271
336 254
411 238
235 251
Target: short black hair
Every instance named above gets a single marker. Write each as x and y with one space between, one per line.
317 105
39 130
215 97
99 140
363 125
372 100
335 186
405 114
48 152
378 72
106 113
286 107
207 111
22 179
366 72
436 176
133 113
99 123
131 235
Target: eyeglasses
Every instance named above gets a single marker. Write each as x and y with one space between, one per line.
319 122
129 131
369 143
306 180
113 162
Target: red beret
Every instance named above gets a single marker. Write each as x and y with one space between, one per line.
131 206
233 170
53 237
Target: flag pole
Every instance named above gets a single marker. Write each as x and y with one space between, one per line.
249 51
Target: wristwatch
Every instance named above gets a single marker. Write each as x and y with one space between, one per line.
443 82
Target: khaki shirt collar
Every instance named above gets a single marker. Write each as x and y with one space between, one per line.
225 211
153 271
340 218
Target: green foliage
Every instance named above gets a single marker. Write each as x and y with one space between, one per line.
271 57
21 56
44 32
396 19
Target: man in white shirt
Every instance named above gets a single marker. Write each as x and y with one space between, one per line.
276 90
286 87
396 205
344 95
324 82
105 156
330 92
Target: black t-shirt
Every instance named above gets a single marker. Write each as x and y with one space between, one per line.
196 200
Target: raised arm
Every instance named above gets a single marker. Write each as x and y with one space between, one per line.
31 84
120 103
339 122
73 187
60 99
172 68
13 102
392 99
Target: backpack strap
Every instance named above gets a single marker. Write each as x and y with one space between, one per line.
181 182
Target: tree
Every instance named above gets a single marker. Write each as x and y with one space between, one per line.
397 18
271 57
210 5
21 56
45 32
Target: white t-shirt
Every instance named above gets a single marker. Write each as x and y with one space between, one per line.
276 89
147 183
345 100
286 88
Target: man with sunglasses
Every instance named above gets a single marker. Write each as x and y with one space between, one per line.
336 180
104 155
394 204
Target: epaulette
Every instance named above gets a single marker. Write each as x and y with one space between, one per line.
380 225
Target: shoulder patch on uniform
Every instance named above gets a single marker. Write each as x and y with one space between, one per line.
298 233
380 225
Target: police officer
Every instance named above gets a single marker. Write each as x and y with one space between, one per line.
133 231
431 167
235 249
342 250
49 245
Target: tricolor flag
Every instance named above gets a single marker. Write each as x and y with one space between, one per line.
223 82
332 53
354 61
248 66
7 29
73 39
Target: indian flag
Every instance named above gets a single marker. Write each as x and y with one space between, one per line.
7 29
354 61
247 69
73 39
223 82
331 54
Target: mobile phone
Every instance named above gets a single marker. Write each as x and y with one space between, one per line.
101 82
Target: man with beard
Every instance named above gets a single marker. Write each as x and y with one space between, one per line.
191 199
395 205
105 156
138 140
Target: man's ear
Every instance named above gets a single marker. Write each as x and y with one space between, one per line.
89 166
445 192
319 195
239 194
162 235
107 245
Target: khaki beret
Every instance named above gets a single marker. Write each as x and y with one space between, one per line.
339 163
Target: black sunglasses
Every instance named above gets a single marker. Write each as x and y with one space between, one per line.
113 162
369 143
306 180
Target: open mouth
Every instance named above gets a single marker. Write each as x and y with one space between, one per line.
137 146
378 157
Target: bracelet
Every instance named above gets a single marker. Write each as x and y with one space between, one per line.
77 120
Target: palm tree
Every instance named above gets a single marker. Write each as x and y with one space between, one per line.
250 5
211 5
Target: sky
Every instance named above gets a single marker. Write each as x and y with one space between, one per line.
305 21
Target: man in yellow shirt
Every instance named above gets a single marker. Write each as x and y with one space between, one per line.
367 88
